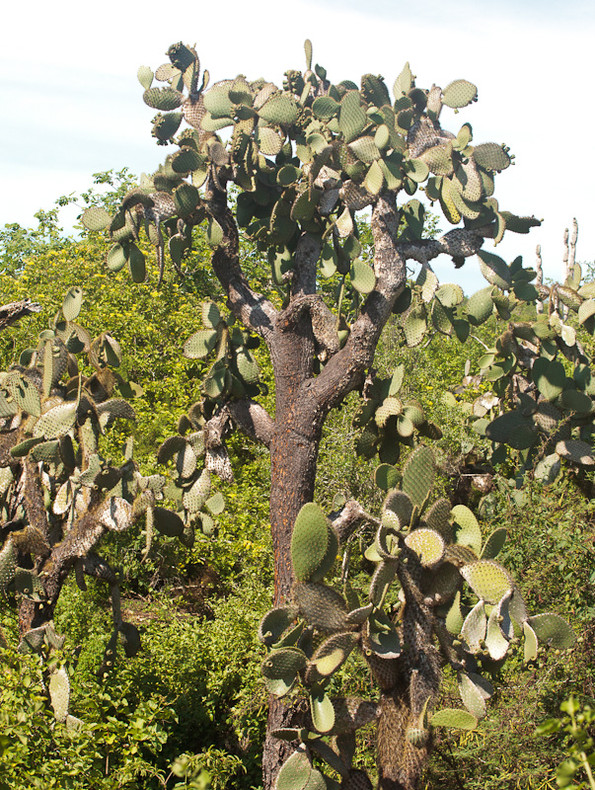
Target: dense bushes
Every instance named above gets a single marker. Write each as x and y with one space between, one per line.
191 705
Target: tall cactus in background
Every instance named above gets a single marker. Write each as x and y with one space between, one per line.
289 172
58 494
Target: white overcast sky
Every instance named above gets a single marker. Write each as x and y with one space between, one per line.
72 106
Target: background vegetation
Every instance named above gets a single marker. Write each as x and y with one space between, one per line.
190 709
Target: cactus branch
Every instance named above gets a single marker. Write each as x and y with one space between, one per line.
12 312
459 243
250 307
252 419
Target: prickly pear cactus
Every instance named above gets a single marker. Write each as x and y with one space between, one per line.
429 558
539 408
305 157
58 494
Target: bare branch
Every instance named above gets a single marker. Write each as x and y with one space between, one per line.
255 312
346 520
345 370
252 419
459 244
12 312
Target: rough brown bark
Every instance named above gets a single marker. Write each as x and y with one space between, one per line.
294 336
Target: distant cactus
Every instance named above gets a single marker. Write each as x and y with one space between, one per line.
58 494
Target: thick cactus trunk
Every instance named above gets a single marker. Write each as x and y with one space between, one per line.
294 452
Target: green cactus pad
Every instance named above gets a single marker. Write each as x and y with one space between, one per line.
386 476
449 295
438 518
491 157
494 269
362 276
321 708
167 523
514 429
549 377
466 528
275 623
280 109
217 101
113 409
442 583
360 615
210 314
165 126
576 451
71 305
399 503
8 563
200 344
321 606
268 141
517 608
495 641
494 544
418 475
95 218
333 652
29 585
427 544
170 448
290 734
186 199
480 306
382 638
56 422
387 540
553 630
313 544
22 448
247 366
530 645
117 257
439 160
381 581
454 617
454 718
472 696
130 638
164 99
25 394
283 663
488 580
474 627
413 412
33 640
459 93
297 773
59 688
352 116
186 461
215 504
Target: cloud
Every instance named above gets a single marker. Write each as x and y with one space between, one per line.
72 105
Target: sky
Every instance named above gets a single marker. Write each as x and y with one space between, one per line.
72 105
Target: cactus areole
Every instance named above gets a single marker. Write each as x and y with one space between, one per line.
289 169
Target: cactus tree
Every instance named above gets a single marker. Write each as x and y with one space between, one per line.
289 169
58 494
